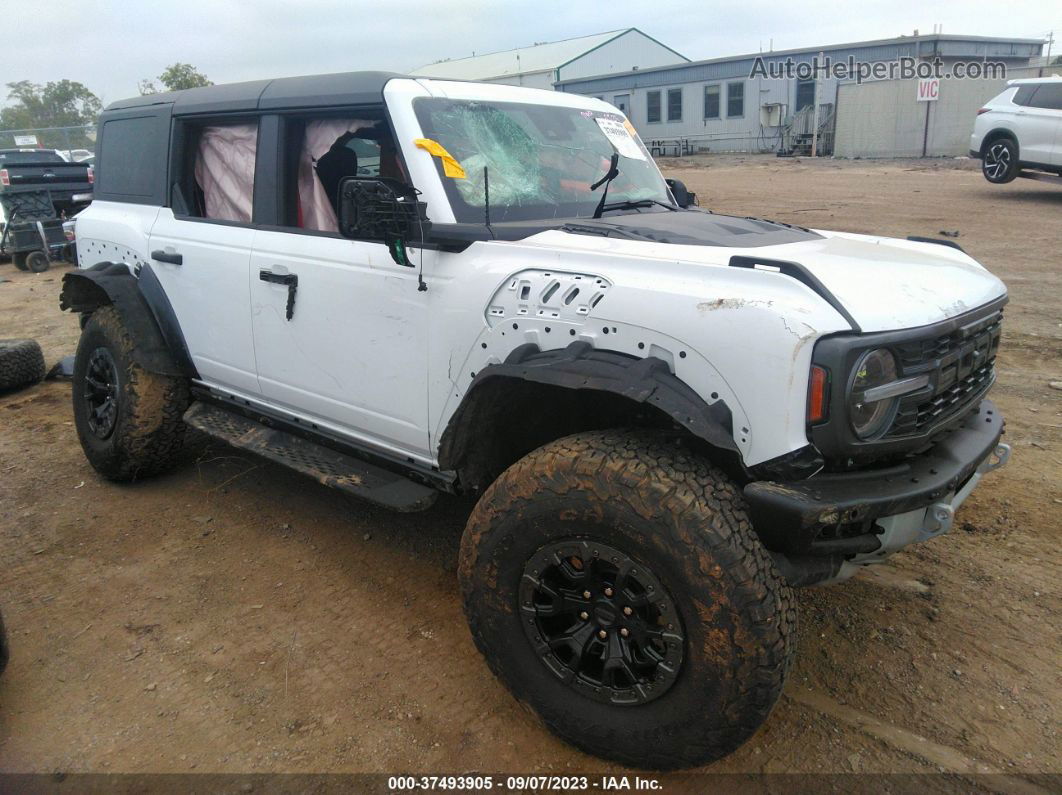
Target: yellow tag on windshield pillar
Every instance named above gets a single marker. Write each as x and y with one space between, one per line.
451 167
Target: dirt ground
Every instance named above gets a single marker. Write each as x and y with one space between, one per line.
235 616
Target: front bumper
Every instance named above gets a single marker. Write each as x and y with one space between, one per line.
865 515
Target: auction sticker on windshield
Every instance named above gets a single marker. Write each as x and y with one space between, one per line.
620 138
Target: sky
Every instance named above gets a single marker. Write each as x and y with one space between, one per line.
110 46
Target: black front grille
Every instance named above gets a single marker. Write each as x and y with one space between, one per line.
961 365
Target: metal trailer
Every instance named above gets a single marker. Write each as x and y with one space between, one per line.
34 234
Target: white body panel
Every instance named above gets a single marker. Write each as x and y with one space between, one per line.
210 289
369 356
354 353
1037 130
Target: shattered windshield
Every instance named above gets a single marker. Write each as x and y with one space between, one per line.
539 160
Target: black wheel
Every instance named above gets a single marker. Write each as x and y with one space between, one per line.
19 258
128 419
21 363
999 163
38 262
613 582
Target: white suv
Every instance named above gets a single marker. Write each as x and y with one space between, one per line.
669 417
1020 129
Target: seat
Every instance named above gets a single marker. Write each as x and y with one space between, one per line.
338 162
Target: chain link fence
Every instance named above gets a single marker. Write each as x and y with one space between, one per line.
65 139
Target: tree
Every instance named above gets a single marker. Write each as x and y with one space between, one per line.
65 103
176 77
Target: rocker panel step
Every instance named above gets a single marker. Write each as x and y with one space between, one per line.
327 466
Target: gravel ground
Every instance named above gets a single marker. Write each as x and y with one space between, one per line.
237 617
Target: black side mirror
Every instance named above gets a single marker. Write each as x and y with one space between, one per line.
683 198
384 210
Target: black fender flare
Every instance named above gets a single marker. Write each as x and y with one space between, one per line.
140 300
646 380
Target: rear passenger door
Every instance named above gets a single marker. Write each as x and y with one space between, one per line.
1038 122
200 248
1048 99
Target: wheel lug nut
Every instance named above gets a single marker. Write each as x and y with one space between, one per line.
624 632
587 594
627 611
602 634
608 592
584 615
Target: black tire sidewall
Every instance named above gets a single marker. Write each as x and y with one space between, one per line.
706 679
37 262
1012 170
104 454
19 259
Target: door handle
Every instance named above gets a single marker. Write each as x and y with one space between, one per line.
289 279
165 256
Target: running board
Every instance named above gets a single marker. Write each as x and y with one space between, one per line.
327 466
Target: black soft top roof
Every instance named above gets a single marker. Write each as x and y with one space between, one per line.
309 91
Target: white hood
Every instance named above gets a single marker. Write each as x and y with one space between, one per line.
884 283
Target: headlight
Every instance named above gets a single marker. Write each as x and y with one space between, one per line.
870 408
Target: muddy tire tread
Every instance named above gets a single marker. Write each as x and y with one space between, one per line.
654 475
151 430
21 363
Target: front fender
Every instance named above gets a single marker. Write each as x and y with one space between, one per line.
158 344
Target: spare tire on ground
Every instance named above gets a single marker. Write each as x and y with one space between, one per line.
21 363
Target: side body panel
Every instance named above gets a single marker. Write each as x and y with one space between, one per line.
354 352
703 321
210 295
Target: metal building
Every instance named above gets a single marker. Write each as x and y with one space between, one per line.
718 105
543 64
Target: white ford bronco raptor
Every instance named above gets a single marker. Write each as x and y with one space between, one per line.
669 417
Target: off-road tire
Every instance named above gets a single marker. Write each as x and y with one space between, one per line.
674 513
999 161
147 430
37 262
19 259
21 363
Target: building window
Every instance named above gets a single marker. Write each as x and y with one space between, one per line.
711 102
805 94
735 100
674 104
652 107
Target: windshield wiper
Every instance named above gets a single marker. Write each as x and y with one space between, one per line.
634 204
611 174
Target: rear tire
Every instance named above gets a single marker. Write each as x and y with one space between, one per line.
128 419
584 509
37 262
19 258
21 363
999 163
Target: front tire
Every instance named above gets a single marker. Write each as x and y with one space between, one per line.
128 419
999 164
614 583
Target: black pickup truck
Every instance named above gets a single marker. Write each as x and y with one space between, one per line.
25 170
